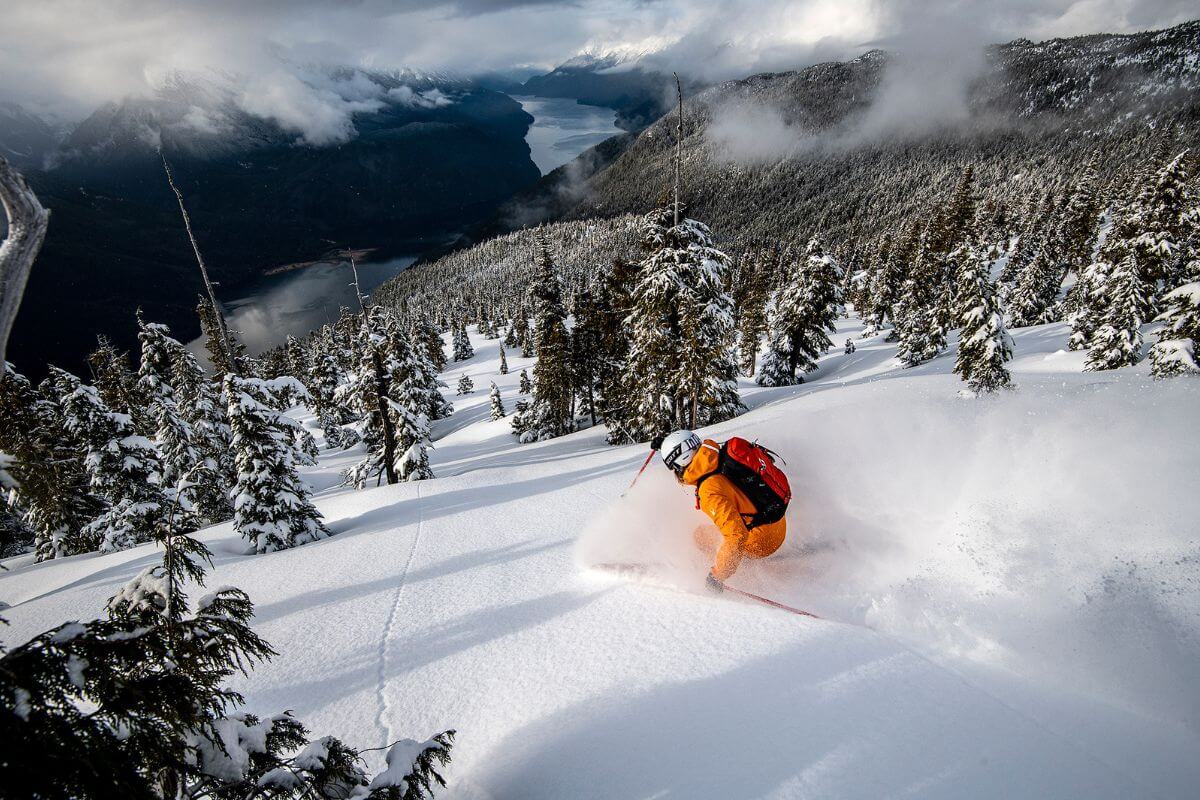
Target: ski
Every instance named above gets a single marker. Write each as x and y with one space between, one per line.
634 569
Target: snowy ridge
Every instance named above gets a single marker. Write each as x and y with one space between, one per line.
1026 617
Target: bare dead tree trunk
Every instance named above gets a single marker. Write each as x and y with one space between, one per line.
381 385
222 331
27 222
678 143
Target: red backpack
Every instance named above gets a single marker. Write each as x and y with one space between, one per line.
751 468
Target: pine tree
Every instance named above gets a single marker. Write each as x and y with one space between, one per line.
118 384
52 494
503 361
462 344
204 411
217 353
985 345
1036 289
549 413
172 434
682 370
751 304
497 403
428 338
1118 341
124 469
1161 219
613 300
465 384
524 335
525 386
324 381
368 392
1078 230
408 403
803 317
272 510
586 351
1092 293
1175 352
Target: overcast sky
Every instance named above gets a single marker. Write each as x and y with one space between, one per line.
67 56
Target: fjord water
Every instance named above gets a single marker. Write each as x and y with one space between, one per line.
295 302
563 128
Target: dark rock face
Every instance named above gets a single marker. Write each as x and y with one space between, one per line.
258 198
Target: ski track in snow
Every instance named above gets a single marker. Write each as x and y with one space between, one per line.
1008 608
383 718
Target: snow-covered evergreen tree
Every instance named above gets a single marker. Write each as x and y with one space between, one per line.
465 384
503 361
549 413
525 386
985 345
1176 351
1092 294
172 434
324 380
118 384
428 339
803 316
272 509
52 495
218 355
1162 218
124 469
1036 288
682 370
497 403
1118 340
202 408
463 349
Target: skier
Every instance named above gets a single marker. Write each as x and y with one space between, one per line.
729 478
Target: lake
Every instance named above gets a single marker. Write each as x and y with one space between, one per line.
563 128
296 302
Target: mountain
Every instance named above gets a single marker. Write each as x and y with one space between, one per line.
851 149
26 139
413 159
638 94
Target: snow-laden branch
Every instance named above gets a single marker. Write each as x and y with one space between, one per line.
27 222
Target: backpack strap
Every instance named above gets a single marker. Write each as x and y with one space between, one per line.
747 519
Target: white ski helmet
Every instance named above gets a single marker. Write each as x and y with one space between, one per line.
678 449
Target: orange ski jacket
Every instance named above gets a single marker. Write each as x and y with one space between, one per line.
729 508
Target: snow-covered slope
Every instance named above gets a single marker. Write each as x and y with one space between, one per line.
1010 588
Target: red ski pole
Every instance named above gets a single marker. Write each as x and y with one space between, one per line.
769 602
645 464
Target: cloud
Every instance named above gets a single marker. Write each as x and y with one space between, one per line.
320 114
72 55
431 98
753 133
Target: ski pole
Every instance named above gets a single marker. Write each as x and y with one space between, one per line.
645 464
769 602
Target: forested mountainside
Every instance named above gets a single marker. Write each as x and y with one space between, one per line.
824 150
424 157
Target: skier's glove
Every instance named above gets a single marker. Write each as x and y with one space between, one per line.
656 443
713 584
